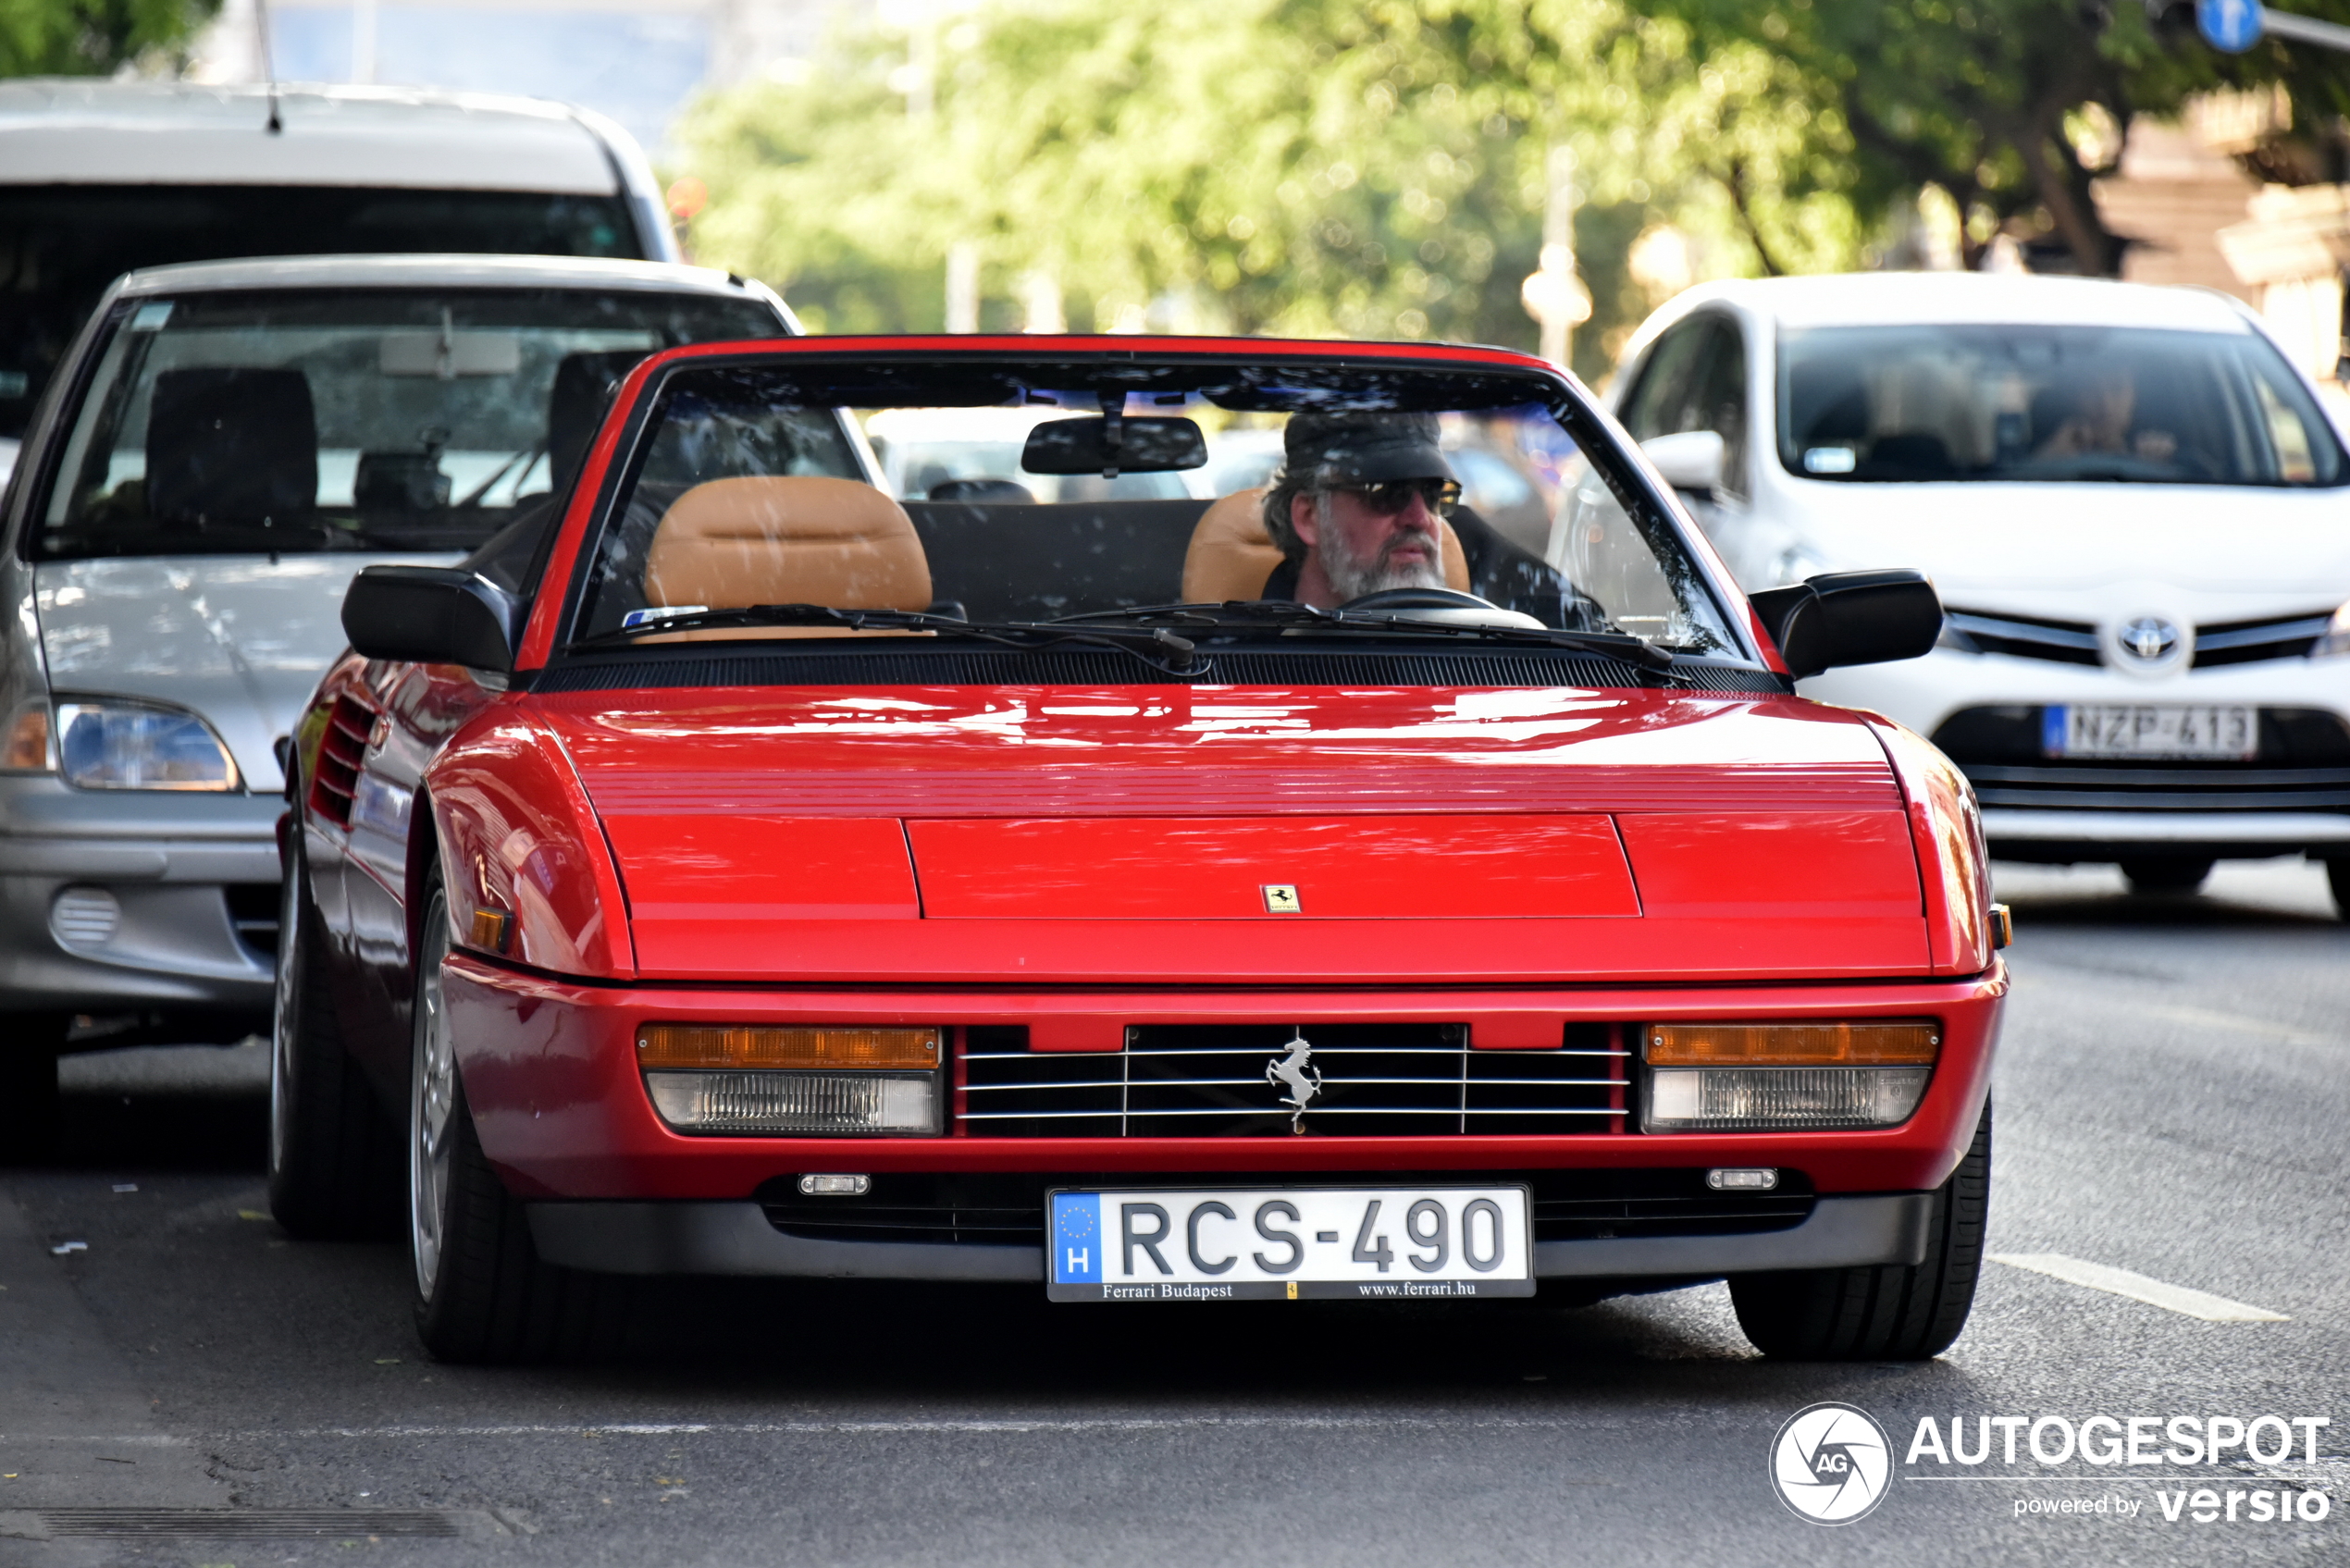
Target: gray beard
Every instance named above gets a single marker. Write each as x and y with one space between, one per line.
1351 578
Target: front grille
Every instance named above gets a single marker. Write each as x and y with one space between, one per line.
1227 1080
2246 642
2026 636
2302 764
1009 1209
341 750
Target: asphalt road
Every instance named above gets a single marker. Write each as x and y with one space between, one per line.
2173 1101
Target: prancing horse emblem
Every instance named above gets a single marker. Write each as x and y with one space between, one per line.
1296 1069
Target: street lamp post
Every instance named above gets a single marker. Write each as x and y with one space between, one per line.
1553 295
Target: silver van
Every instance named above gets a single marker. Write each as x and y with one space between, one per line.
99 178
226 445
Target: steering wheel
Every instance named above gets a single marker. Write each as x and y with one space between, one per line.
1420 598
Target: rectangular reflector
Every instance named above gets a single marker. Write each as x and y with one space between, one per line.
1894 1042
797 1046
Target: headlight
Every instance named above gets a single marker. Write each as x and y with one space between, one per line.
1796 564
2336 641
131 746
1799 1077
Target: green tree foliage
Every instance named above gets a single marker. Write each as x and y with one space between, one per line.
1282 166
92 37
2012 107
1377 167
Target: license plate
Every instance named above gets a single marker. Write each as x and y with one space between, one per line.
1352 1243
2206 730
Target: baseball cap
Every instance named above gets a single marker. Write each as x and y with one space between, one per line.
1363 448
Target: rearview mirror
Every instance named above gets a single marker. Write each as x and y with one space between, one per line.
1689 459
1109 447
431 615
1844 618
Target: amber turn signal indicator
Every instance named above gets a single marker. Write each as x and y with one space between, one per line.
1895 1043
488 930
28 739
748 1046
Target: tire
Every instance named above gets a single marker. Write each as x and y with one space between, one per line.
2167 873
334 1152
29 1045
1880 1314
483 1297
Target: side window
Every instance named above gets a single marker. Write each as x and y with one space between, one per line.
1658 403
1719 402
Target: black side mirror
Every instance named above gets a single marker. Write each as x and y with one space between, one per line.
1842 618
431 615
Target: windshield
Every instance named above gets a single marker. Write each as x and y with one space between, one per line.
1020 492
61 246
380 419
2048 403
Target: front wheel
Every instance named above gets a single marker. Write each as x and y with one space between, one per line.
1892 1313
482 1295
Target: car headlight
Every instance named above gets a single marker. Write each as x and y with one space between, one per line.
135 746
1796 564
2336 641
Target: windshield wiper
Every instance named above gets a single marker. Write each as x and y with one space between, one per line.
1159 648
1290 615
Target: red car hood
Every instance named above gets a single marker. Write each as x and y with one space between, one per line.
1155 835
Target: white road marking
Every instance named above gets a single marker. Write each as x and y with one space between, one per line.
948 1426
2138 1288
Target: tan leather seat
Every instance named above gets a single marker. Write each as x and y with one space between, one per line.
1230 554
731 543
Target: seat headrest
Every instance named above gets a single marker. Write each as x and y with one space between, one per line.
731 543
231 445
1230 553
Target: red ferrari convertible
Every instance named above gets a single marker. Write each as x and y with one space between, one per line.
897 820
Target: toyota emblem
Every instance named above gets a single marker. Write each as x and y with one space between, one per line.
2149 639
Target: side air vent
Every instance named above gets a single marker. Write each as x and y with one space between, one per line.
336 777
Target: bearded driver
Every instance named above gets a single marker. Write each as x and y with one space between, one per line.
1360 506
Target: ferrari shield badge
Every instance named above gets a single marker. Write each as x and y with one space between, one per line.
1280 898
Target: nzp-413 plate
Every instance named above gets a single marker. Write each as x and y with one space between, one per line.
1351 1244
2206 732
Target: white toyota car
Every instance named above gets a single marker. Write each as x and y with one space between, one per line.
2135 507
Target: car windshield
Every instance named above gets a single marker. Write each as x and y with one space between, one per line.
353 419
1040 491
2048 403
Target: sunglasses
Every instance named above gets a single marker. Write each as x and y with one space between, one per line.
1440 496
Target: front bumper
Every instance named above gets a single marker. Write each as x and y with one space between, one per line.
550 1076
736 1238
2295 798
165 863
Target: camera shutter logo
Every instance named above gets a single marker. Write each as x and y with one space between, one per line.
1831 1463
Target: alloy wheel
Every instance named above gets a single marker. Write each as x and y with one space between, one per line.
432 1104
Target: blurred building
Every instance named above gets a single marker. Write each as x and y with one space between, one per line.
637 61
2236 196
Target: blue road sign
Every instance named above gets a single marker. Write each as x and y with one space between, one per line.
2230 25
